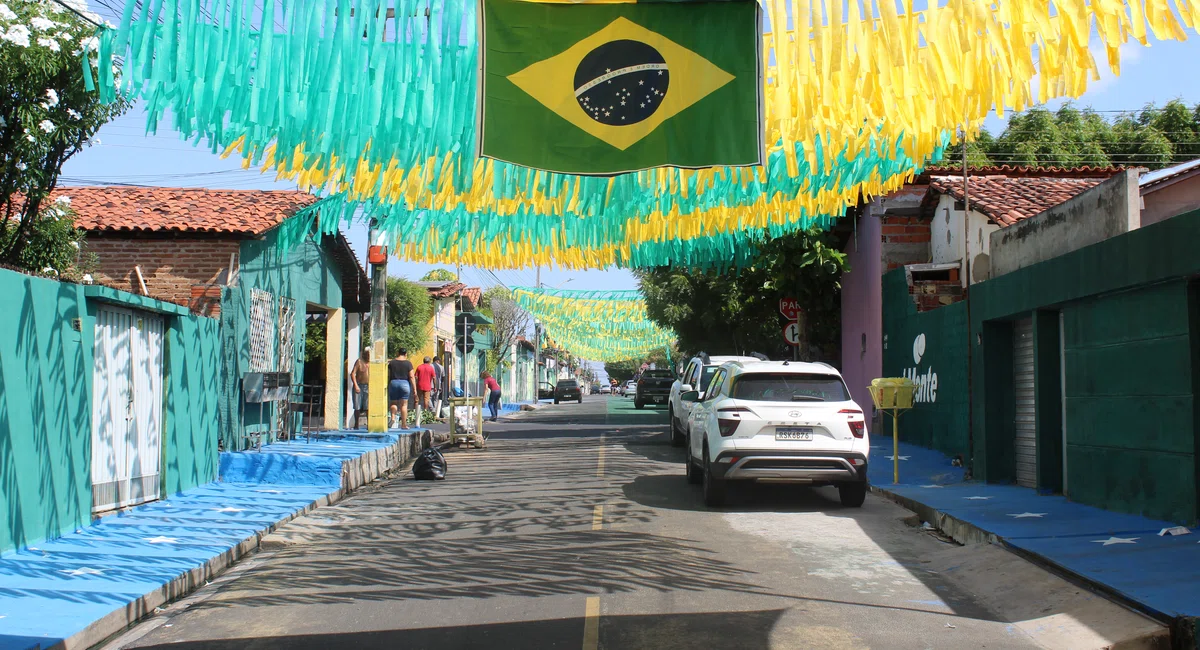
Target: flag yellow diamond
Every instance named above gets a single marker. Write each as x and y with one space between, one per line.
649 80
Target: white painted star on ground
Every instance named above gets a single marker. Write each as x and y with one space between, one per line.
1116 540
162 540
83 571
932 486
227 509
1028 515
894 458
977 498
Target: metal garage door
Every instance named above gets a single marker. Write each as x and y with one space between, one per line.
1023 384
127 392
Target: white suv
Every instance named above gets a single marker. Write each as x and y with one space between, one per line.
696 375
779 422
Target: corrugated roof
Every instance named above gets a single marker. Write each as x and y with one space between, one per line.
241 213
1158 176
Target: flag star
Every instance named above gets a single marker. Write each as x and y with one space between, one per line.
643 105
622 117
641 82
227 509
1116 540
977 498
622 103
1028 515
608 69
162 540
82 571
660 73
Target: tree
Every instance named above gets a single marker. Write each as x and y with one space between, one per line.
439 275
46 116
409 308
509 321
736 312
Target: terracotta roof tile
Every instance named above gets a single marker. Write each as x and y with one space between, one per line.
445 290
473 295
1007 200
168 209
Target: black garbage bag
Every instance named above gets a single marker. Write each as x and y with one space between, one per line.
430 466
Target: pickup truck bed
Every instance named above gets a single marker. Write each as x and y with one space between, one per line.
654 388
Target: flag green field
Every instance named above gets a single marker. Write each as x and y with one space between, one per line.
611 88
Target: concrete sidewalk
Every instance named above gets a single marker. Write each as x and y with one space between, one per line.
81 588
1120 555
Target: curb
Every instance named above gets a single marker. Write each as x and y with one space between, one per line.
356 472
1183 631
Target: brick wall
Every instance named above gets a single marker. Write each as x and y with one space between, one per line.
905 240
180 270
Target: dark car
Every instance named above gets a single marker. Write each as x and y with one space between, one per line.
568 389
654 387
545 390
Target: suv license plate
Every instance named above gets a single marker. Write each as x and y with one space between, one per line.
802 433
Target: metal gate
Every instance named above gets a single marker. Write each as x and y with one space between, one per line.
1023 384
127 389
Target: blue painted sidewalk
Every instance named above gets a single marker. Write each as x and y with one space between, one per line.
58 588
1122 553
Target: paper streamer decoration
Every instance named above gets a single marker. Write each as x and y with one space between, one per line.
595 325
380 111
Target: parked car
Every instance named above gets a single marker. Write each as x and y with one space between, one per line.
568 389
654 387
606 390
630 389
696 376
777 421
545 390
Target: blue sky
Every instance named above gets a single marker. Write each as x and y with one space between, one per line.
1155 74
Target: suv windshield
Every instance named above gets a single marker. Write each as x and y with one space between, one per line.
789 387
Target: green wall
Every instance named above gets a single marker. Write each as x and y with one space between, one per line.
1130 325
45 403
939 417
305 273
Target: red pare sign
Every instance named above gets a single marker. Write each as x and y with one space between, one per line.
790 308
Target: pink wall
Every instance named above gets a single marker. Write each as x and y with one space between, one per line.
862 308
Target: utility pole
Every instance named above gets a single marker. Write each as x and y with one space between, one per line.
377 384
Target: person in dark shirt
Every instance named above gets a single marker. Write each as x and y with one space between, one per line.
400 383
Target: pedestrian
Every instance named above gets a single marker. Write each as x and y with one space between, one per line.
400 383
360 380
425 375
493 388
439 386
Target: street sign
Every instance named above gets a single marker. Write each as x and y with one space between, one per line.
464 324
791 333
465 343
789 307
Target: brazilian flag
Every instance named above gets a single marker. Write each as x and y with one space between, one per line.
607 88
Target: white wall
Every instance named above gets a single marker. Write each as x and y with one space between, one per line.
946 234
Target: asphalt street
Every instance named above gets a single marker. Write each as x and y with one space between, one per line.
577 529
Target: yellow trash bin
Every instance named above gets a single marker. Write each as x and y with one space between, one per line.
895 395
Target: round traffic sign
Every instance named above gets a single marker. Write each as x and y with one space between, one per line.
791 333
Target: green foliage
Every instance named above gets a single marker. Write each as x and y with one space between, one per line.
625 370
314 342
1070 136
409 309
46 116
439 275
54 245
737 311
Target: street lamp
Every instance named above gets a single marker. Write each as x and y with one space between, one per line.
560 284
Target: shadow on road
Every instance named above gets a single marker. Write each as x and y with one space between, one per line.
752 628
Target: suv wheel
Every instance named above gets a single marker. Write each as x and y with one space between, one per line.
714 488
676 437
695 475
853 494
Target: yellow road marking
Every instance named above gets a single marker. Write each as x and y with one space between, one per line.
591 623
600 464
598 518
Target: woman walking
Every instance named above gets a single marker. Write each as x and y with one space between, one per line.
400 383
493 387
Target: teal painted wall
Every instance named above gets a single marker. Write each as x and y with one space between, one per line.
45 403
939 416
45 415
306 274
1128 334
